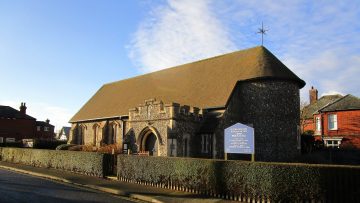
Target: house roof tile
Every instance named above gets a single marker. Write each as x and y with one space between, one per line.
348 102
9 112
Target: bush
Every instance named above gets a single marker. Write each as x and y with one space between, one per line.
108 149
88 163
64 146
258 180
47 144
307 142
12 144
75 148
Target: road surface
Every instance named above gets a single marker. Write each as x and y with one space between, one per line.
16 187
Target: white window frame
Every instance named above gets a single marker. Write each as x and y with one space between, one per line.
330 142
332 122
46 128
318 124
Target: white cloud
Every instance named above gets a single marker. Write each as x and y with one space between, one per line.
331 93
317 40
58 116
179 32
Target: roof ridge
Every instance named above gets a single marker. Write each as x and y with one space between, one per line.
262 48
191 84
333 102
350 95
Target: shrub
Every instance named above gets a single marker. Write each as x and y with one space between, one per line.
307 142
12 144
257 180
47 144
88 163
75 148
64 146
108 149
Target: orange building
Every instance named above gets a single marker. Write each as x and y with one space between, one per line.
335 119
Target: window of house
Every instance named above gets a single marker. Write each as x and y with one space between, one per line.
318 123
46 128
333 143
38 128
204 143
332 122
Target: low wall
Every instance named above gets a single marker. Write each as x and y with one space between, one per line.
245 181
89 163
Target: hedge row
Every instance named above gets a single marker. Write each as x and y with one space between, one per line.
254 180
94 164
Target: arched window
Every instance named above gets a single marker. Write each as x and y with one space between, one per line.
110 133
96 129
80 134
186 145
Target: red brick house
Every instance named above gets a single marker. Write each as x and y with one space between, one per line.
16 125
307 113
335 120
44 130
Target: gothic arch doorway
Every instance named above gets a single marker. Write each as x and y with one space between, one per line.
149 141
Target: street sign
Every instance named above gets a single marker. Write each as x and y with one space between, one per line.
239 139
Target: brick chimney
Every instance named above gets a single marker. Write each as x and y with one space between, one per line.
313 93
47 121
23 108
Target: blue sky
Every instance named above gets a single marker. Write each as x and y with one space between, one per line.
54 55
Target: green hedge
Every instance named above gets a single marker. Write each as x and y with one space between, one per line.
47 144
94 164
255 180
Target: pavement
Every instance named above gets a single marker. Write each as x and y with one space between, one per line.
113 186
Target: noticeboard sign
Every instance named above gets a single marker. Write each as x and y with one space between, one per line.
239 139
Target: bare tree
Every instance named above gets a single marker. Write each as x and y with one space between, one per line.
303 104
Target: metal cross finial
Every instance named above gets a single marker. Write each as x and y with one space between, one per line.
262 31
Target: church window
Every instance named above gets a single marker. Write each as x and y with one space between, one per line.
172 147
204 143
186 147
80 135
112 133
95 134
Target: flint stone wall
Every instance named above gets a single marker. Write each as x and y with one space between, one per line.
272 108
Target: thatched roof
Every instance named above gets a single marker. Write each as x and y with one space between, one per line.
205 83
